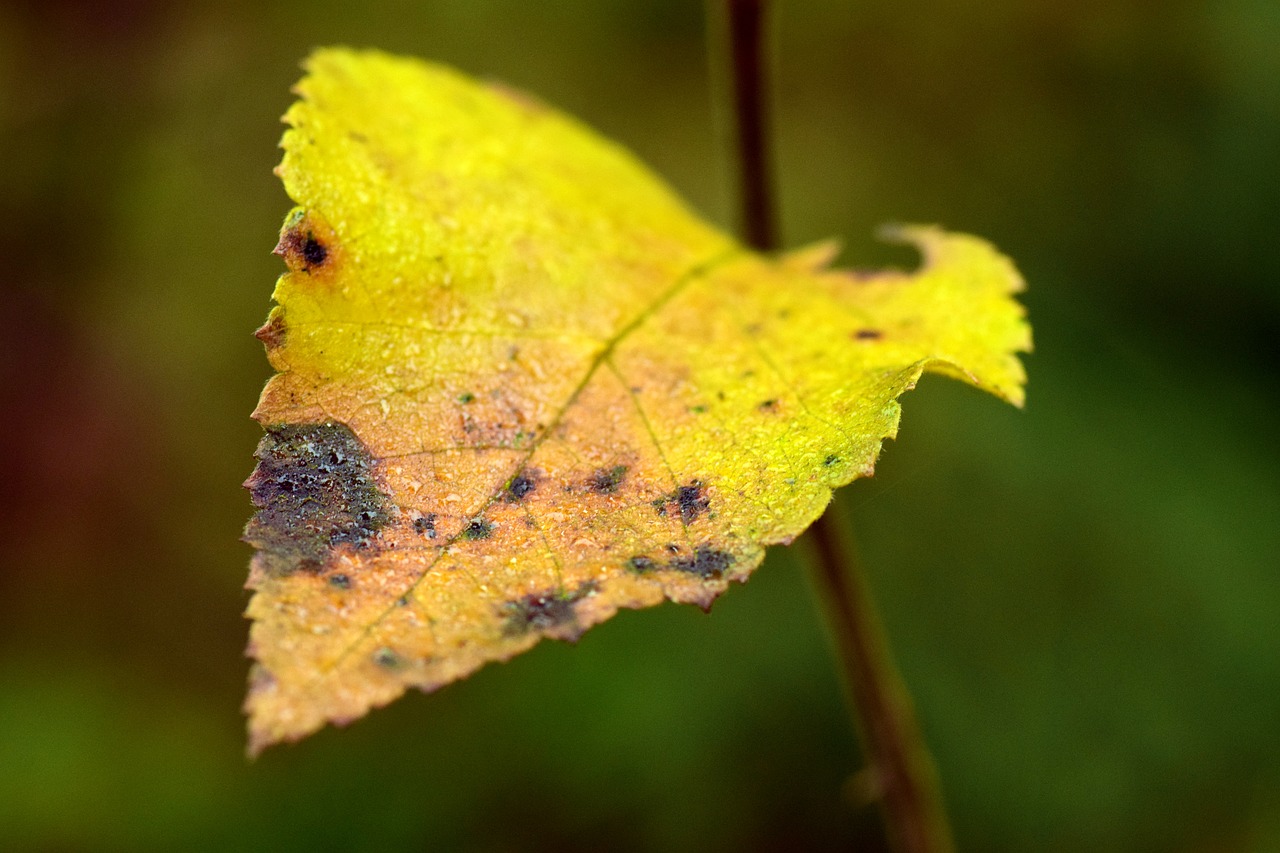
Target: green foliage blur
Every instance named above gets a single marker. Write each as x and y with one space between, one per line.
1083 596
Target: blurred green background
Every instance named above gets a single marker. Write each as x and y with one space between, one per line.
1083 596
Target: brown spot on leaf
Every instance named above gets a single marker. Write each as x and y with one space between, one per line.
768 406
521 484
607 480
313 251
868 335
544 611
689 501
692 500
425 525
641 564
271 333
477 528
315 491
306 244
706 562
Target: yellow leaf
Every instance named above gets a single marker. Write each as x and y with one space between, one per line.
521 386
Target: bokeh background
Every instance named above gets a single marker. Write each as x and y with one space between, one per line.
1083 596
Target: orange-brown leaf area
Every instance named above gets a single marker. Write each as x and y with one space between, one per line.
520 387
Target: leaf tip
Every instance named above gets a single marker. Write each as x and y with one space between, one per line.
815 257
272 332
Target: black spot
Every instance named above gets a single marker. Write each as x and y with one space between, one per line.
706 562
538 612
768 406
315 491
313 251
830 460
543 611
340 581
520 485
466 397
402 601
868 335
642 564
386 658
299 245
691 500
606 480
478 528
426 524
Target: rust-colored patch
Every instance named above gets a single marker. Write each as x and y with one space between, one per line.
307 243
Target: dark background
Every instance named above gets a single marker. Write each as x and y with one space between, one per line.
1083 596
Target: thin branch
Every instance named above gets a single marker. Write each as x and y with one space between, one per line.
746 23
901 773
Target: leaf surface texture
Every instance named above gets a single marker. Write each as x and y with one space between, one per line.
520 386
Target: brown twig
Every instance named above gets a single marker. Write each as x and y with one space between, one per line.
901 773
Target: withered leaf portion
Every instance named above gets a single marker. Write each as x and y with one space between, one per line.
315 491
520 387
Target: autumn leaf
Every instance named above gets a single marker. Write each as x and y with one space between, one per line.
520 386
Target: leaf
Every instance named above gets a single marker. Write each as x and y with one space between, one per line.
520 387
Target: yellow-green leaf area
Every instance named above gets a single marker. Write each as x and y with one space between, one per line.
520 386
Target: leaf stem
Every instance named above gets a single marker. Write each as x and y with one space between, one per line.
746 37
901 774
